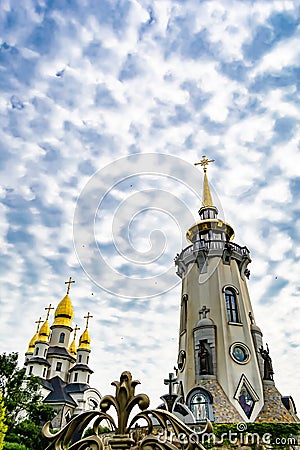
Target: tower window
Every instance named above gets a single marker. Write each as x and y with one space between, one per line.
79 358
87 359
183 318
44 372
58 366
62 338
75 377
88 379
36 351
30 370
231 305
200 403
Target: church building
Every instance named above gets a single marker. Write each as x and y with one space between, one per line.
54 356
224 370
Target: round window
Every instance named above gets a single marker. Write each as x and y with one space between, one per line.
240 353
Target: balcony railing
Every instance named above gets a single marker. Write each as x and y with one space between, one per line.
211 246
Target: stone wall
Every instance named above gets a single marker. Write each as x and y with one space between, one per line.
224 411
273 409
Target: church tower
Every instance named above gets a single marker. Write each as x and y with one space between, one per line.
80 372
62 366
59 357
224 372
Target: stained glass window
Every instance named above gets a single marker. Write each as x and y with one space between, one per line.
246 401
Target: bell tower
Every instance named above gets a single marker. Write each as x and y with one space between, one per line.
224 372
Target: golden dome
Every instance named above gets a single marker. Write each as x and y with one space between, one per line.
44 332
85 341
72 348
32 343
64 312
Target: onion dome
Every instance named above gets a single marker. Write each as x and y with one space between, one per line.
72 348
32 343
44 332
85 341
63 315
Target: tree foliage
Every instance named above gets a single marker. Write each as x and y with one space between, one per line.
25 411
3 426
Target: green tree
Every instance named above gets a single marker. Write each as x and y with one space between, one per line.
3 426
25 411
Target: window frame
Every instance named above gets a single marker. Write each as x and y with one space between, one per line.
208 400
231 305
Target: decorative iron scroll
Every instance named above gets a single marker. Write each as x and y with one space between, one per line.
173 434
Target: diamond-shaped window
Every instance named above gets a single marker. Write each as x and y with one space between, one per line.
246 396
246 401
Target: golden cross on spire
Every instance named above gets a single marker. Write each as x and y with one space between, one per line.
75 331
38 324
48 309
69 283
88 317
204 162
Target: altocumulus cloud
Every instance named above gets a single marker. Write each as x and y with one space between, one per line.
83 84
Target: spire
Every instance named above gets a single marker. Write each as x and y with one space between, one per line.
63 315
72 348
208 214
85 340
206 198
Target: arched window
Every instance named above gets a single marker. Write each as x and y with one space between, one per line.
231 305
79 358
200 403
62 338
36 351
183 316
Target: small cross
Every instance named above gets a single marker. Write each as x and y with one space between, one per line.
69 283
204 311
88 317
75 331
204 162
48 309
170 381
38 324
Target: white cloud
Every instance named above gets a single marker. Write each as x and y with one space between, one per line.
183 95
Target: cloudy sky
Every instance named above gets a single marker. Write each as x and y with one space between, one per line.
105 106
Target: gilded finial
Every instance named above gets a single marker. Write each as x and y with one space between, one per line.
69 284
48 309
204 162
206 200
88 317
38 324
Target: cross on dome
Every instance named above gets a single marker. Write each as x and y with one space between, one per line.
88 317
75 330
204 162
48 309
69 283
38 324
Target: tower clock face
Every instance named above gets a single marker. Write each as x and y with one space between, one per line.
240 353
181 360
